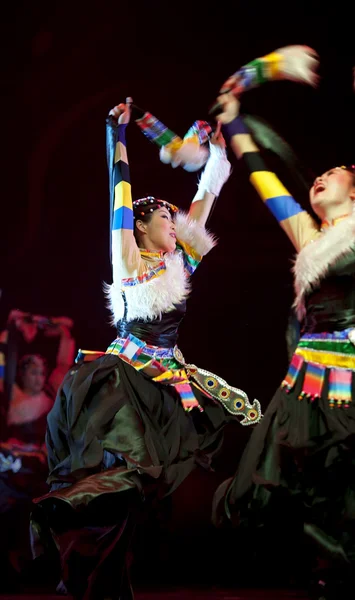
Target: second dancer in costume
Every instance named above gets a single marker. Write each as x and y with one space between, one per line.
299 464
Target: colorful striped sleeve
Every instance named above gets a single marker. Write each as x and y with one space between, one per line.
255 73
125 255
294 220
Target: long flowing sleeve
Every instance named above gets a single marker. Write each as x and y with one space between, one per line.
125 255
297 223
252 75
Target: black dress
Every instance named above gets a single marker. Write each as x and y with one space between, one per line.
117 437
297 473
23 473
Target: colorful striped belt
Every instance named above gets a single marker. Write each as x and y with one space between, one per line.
130 347
137 351
319 354
173 370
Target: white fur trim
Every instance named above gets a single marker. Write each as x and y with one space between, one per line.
215 174
150 299
190 232
314 260
165 155
190 156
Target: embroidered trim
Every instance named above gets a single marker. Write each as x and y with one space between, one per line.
146 276
150 298
173 370
337 359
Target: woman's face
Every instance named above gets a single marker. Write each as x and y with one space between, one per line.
159 234
34 377
335 187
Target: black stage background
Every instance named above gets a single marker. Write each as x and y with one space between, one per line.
65 64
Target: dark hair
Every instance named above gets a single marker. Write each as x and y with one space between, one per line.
146 218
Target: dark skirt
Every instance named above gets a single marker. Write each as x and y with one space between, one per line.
296 477
22 477
115 439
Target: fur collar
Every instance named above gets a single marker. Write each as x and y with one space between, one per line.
314 260
150 299
194 235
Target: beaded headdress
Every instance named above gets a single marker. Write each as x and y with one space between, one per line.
350 168
144 206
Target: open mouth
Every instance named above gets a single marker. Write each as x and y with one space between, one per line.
173 235
319 188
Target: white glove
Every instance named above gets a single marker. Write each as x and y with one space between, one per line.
216 171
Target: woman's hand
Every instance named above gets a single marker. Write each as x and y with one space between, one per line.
59 326
122 112
230 108
217 138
